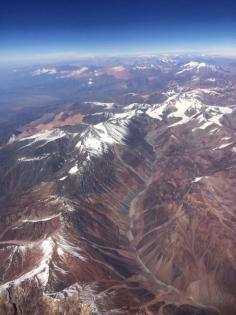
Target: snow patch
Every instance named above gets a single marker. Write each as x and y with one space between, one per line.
197 179
43 71
118 68
224 145
66 247
73 170
47 136
41 219
211 79
156 113
75 73
90 82
12 139
47 249
60 251
105 105
36 158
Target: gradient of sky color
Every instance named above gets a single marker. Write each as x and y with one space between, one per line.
56 28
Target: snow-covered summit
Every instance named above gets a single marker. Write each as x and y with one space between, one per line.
196 67
186 107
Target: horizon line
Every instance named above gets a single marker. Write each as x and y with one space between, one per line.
66 55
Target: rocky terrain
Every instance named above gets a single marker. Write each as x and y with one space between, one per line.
122 200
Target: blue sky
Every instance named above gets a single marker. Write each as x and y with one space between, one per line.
48 29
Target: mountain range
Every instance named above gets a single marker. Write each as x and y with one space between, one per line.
117 188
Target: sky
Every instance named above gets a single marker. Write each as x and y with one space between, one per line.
59 29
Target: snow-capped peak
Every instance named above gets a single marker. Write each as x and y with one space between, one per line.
44 136
186 107
195 66
95 139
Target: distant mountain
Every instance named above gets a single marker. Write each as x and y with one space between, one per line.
196 67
